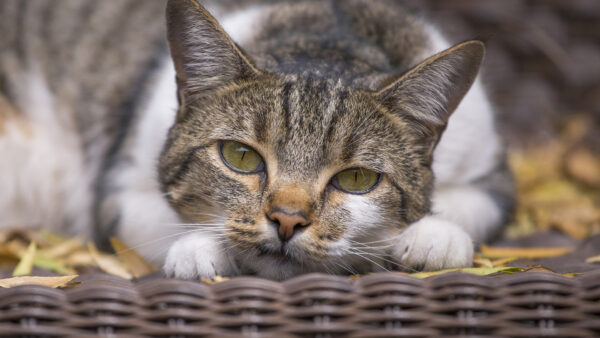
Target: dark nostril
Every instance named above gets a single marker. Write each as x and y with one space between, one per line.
288 222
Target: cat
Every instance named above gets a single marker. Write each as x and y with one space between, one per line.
274 138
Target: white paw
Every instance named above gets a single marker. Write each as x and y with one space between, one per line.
433 244
194 257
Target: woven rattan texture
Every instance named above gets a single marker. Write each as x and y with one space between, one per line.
379 305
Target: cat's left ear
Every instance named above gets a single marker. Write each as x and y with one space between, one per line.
427 94
204 55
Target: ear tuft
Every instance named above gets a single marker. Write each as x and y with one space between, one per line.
205 57
428 93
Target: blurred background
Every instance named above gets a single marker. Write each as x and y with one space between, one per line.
543 61
542 72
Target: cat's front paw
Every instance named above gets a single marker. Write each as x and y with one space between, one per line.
194 257
433 244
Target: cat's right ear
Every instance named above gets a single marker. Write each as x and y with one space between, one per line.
205 56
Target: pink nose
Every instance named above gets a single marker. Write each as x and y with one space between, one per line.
288 222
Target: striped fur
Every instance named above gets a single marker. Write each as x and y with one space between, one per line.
126 139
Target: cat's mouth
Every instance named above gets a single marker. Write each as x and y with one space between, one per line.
283 254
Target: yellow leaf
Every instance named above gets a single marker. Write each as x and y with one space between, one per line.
584 166
62 249
26 263
593 259
503 261
108 264
482 263
52 282
52 265
16 247
474 271
135 263
531 253
50 238
79 258
214 280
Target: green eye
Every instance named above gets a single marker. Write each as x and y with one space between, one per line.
356 180
240 157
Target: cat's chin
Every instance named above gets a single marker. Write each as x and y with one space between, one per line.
276 265
280 256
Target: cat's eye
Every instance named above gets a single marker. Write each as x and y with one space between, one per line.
240 157
356 180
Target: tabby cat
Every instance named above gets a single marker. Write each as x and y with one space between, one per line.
274 138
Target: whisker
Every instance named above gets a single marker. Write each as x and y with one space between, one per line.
370 260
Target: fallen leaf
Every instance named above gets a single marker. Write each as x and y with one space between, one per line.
134 263
482 263
16 247
62 249
26 263
584 166
538 268
52 264
593 259
108 264
531 253
79 258
503 261
213 280
541 268
474 271
52 282
51 238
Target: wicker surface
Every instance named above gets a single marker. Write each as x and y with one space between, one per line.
379 305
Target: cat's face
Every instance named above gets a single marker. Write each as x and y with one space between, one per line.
295 171
299 169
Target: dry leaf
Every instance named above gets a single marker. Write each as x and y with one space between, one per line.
26 263
572 274
541 268
62 249
53 282
531 253
538 268
482 263
79 258
108 264
52 265
134 263
593 259
474 271
584 166
214 280
503 261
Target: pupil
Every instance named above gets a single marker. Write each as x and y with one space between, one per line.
243 154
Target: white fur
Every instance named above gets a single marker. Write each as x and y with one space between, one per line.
198 255
432 244
468 149
43 179
146 219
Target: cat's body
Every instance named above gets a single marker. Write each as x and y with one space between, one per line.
85 126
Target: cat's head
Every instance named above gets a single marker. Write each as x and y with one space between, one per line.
301 171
